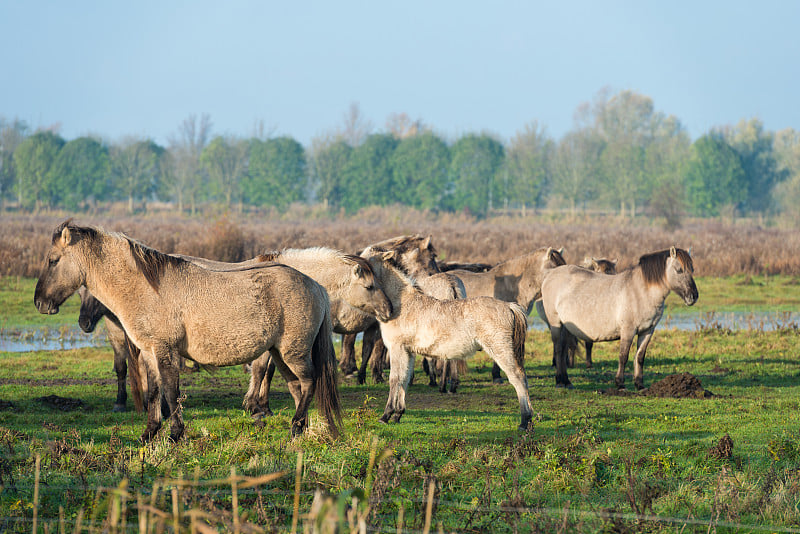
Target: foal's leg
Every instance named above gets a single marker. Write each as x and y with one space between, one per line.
504 357
402 367
347 357
589 345
642 341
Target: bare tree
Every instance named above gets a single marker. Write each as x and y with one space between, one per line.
355 128
186 146
402 126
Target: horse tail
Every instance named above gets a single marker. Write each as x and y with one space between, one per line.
519 333
327 390
133 372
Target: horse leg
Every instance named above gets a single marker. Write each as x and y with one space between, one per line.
153 395
379 358
429 368
642 341
252 398
121 370
497 378
625 343
296 368
402 367
558 337
169 368
504 358
266 383
367 346
589 345
347 358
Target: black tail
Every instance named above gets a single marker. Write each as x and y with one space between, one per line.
326 377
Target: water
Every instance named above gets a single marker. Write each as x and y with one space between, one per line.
74 338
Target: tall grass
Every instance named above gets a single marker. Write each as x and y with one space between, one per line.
718 249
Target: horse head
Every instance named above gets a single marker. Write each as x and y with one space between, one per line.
365 293
61 273
92 310
679 271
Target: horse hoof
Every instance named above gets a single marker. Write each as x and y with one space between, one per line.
118 408
384 420
498 381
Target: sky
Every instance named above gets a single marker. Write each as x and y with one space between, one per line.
119 69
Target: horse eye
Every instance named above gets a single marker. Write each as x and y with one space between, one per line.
53 261
370 287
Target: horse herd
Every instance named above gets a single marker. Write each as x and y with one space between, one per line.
279 310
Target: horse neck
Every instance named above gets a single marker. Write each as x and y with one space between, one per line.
398 289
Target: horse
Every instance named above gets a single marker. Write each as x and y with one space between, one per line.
599 265
516 280
126 354
450 329
598 307
372 348
413 259
170 307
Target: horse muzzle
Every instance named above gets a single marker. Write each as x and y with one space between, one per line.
47 308
86 324
385 312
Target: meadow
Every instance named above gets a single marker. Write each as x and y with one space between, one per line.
722 458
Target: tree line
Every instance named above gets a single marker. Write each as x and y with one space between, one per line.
622 154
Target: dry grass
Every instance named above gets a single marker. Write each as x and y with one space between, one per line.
718 249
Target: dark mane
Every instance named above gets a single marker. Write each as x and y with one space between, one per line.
267 256
405 243
361 262
80 231
654 265
151 262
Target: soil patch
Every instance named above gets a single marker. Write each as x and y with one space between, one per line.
720 370
65 404
682 385
722 450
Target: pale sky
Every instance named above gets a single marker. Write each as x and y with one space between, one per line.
114 69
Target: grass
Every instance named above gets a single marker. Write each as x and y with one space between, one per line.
592 461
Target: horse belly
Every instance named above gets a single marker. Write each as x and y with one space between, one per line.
233 343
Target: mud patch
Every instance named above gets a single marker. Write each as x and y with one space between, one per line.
65 404
678 386
722 450
720 370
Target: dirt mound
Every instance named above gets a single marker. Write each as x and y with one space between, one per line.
682 385
65 404
722 450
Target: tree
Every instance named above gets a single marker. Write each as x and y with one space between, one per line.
574 167
329 159
787 193
33 159
355 128
714 177
277 172
527 165
137 169
419 165
475 160
665 163
12 133
755 147
82 170
368 175
186 174
225 161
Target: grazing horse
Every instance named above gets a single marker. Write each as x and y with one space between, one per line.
601 265
450 329
516 280
126 354
597 307
170 307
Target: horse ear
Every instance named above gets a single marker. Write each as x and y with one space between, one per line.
427 242
689 251
389 255
358 272
561 251
673 252
66 236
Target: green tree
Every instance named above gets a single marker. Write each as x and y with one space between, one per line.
137 169
329 160
419 165
714 176
475 160
225 161
81 170
762 173
787 193
12 133
277 172
33 159
368 176
527 167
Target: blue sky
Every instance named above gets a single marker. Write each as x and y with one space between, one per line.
140 68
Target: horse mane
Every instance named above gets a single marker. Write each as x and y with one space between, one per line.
82 231
558 259
151 262
350 259
405 243
267 256
654 265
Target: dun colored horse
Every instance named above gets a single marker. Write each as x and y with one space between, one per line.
450 329
597 307
170 307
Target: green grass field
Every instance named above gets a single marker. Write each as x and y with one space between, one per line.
593 461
